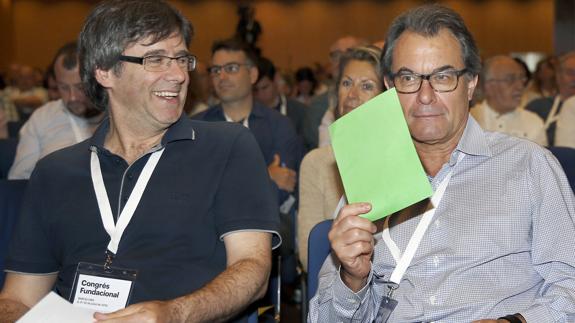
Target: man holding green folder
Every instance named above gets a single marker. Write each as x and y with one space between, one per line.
494 243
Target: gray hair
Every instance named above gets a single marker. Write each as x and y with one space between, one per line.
429 20
117 24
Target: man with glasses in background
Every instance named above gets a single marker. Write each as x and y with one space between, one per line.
144 222
60 123
234 71
496 245
503 81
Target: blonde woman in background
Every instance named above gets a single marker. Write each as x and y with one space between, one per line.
320 184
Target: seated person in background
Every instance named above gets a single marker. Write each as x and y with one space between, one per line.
266 92
233 71
51 85
57 124
306 84
318 106
320 185
543 83
565 132
497 246
3 125
548 108
201 246
503 81
25 94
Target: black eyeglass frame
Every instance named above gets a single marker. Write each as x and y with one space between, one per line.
140 60
426 77
219 68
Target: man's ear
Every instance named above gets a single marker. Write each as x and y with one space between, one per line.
254 74
105 78
471 85
387 82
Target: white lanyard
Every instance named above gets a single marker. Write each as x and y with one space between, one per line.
77 133
245 122
283 106
552 117
115 231
403 261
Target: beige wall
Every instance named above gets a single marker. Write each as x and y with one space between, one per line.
295 33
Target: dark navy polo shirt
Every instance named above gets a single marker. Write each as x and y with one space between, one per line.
211 180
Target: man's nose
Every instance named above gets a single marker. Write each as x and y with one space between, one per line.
426 93
176 72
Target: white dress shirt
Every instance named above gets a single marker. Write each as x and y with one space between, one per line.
519 122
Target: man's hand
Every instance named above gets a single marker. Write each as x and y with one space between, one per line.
352 241
284 177
154 311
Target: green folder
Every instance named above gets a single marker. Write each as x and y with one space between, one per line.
376 157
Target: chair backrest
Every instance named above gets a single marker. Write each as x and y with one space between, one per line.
566 157
7 154
11 194
318 249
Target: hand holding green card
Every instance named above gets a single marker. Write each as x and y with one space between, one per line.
376 157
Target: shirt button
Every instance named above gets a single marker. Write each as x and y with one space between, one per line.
437 224
130 176
432 300
351 300
436 261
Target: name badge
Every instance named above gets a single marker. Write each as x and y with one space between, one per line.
103 289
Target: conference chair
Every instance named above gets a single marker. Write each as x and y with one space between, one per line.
318 250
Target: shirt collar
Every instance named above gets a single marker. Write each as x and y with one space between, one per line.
493 113
257 111
472 142
182 129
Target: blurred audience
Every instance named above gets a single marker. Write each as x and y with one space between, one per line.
548 108
503 81
24 92
543 83
59 123
266 92
306 84
565 132
321 103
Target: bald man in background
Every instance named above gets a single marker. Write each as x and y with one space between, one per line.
504 81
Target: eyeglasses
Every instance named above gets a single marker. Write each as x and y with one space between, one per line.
443 81
511 79
229 68
161 63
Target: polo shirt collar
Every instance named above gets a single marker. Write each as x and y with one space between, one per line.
182 129
257 111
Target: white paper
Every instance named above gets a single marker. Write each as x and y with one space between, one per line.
54 309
